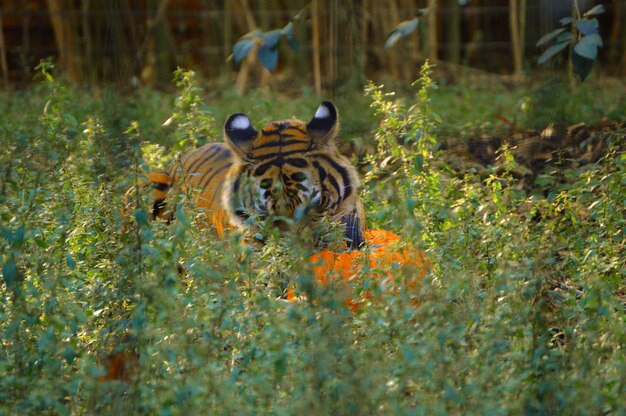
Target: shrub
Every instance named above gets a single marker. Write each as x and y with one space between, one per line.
522 313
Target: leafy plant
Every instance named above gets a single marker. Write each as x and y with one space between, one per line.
266 44
523 314
581 34
404 29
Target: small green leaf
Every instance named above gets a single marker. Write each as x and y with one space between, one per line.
587 26
586 48
407 27
141 217
71 263
293 42
242 49
594 39
9 271
270 39
392 39
598 9
566 21
402 30
268 56
288 32
288 29
551 51
582 66
69 354
70 119
18 237
549 36
565 37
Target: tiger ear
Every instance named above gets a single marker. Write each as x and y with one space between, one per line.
239 134
324 125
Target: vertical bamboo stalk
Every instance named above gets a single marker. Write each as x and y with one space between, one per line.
522 29
3 56
417 49
249 16
392 19
364 21
515 38
64 36
228 29
87 41
241 82
433 44
315 29
331 42
615 30
454 31
205 39
623 63
389 22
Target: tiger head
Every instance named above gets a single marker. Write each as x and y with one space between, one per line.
290 173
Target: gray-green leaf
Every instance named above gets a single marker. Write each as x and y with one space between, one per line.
587 26
549 36
599 9
586 48
9 271
402 30
551 51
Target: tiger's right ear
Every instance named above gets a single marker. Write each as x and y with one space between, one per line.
240 134
324 125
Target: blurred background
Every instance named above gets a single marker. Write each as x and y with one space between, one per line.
323 44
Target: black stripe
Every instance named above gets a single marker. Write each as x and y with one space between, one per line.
353 230
322 174
342 171
237 184
203 185
190 155
275 155
157 207
301 129
209 153
279 143
161 186
297 162
335 185
261 169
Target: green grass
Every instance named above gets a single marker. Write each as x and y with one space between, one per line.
523 313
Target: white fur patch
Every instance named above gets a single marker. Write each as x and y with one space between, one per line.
240 122
322 112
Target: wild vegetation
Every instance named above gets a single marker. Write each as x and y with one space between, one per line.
107 313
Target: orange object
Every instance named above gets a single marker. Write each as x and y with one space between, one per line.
121 366
342 267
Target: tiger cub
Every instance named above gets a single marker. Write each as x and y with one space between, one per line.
289 175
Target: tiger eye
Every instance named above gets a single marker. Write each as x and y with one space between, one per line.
298 176
266 183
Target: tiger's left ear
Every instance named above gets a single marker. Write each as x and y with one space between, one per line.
324 125
240 134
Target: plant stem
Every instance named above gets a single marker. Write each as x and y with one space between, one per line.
315 27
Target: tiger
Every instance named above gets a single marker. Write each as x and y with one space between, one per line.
289 174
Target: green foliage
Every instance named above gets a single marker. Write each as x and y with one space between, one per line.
581 34
267 43
522 313
404 29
